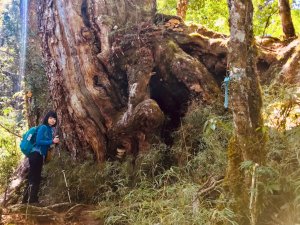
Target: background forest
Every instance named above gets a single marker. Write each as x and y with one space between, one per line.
179 183
213 15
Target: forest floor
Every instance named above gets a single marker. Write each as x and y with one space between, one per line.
64 213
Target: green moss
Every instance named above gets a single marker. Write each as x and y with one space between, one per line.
195 34
234 182
172 46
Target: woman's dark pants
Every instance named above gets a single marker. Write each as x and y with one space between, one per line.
34 178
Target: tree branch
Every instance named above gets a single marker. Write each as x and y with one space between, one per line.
208 186
9 131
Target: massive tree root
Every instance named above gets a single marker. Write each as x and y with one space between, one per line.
121 80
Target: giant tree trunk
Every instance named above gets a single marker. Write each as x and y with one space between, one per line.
112 82
286 18
245 96
116 71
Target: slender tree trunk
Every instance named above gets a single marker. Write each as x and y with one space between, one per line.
182 7
286 18
245 96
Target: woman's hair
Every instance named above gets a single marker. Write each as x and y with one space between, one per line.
50 114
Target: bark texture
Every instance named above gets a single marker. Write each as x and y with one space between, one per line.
182 7
286 18
245 97
116 71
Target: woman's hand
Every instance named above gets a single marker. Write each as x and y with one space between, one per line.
56 140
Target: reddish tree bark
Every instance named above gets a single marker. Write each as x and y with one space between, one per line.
115 74
182 7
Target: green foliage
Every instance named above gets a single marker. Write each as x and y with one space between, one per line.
88 182
162 186
35 77
296 20
202 141
266 19
214 15
142 191
167 6
9 48
210 13
9 152
10 26
170 205
264 16
282 108
279 179
36 80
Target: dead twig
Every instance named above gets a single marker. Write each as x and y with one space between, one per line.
207 187
204 190
213 183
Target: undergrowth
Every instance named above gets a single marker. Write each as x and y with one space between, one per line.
282 186
159 187
168 185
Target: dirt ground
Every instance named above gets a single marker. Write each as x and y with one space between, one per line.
64 213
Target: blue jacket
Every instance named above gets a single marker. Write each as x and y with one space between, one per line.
44 139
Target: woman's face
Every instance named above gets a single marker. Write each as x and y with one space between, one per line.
51 121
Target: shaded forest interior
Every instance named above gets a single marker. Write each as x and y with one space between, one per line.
139 91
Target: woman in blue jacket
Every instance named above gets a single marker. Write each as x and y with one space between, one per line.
44 139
